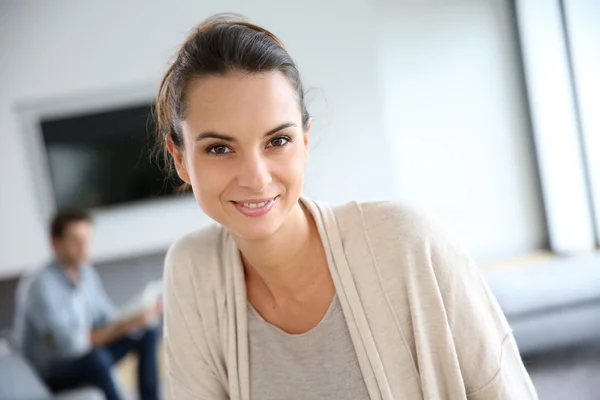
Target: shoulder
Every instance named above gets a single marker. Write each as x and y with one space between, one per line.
397 233
44 276
40 284
393 221
195 258
200 244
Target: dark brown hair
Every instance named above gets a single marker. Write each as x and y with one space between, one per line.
220 45
63 218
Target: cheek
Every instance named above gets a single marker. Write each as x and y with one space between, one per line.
203 175
72 249
81 247
210 179
293 166
289 172
294 172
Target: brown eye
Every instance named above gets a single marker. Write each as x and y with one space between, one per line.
279 141
218 149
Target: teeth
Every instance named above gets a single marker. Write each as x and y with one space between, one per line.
255 205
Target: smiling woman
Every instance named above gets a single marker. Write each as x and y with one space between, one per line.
257 157
288 298
233 164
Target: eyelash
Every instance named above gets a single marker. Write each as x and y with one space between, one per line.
211 149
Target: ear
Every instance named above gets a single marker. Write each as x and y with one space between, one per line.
306 135
55 243
57 248
178 159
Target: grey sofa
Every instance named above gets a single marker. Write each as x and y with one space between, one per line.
553 308
18 381
551 305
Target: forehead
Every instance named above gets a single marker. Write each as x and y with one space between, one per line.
240 104
77 228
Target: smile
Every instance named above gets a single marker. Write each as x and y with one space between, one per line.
255 208
255 205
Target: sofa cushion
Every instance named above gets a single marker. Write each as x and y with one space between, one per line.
18 380
551 305
548 286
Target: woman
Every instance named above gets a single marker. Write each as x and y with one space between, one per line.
285 297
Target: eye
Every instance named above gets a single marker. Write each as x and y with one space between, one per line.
218 149
279 141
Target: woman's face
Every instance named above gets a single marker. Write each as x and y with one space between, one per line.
244 150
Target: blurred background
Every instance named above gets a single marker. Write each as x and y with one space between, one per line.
483 112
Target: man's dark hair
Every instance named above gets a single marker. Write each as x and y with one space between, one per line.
65 217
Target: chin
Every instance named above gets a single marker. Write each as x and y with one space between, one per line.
253 230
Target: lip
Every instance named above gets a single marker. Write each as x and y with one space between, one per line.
258 211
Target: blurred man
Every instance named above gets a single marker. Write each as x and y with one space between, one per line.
70 336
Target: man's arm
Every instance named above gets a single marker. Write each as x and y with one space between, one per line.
107 334
104 331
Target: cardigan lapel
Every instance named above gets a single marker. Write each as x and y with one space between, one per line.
237 354
360 332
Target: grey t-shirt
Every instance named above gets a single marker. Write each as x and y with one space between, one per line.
319 364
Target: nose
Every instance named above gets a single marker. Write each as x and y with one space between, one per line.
254 173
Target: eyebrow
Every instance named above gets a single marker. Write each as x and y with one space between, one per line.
227 138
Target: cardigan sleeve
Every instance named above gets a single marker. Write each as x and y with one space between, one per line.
511 380
189 375
489 360
455 326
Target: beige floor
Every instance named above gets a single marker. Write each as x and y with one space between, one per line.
127 369
522 260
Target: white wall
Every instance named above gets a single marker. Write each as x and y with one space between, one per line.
426 109
57 49
582 17
456 113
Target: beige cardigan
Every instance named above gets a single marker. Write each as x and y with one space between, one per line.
423 322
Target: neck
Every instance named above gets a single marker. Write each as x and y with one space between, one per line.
70 268
286 261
